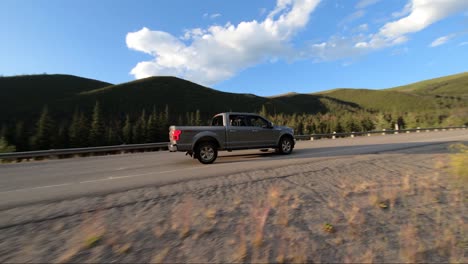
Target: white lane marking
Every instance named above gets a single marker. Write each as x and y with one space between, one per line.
218 165
142 174
39 187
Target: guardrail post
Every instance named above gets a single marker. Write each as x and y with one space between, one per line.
334 136
311 137
407 131
383 134
418 129
368 134
352 134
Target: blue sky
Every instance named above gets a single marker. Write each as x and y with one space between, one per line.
261 47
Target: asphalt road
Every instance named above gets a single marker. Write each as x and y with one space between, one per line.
41 181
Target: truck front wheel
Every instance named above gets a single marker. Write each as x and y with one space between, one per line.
206 152
286 145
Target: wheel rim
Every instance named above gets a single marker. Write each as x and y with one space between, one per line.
207 153
286 146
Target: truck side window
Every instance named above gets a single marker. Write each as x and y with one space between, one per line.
236 120
217 121
256 121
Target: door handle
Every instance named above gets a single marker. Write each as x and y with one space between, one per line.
232 130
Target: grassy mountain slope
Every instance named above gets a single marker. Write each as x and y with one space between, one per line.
384 100
24 95
452 85
445 92
183 96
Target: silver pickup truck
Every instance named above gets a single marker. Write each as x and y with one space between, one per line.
230 131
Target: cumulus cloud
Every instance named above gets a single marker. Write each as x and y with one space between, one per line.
216 53
423 14
417 15
219 52
441 41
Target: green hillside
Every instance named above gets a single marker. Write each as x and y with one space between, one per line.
452 85
440 93
380 100
24 96
184 96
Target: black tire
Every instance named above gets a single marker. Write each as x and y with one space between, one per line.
286 145
206 152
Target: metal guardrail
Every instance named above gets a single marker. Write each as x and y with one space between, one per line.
368 133
73 151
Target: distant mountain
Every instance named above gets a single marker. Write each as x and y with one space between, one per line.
26 95
23 96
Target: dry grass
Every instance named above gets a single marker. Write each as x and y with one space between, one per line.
160 256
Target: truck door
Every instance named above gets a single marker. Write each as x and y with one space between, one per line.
262 134
238 133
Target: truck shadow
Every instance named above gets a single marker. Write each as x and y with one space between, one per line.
364 149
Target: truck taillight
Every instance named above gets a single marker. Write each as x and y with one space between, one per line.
176 134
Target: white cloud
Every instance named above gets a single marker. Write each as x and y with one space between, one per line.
363 27
366 3
211 16
463 43
419 14
423 14
406 10
219 52
441 41
353 17
216 53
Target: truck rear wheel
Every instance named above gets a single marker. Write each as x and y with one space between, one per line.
206 152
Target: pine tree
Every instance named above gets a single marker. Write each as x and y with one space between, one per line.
61 140
97 132
127 131
20 138
5 147
142 123
366 124
78 130
111 136
44 132
152 128
264 111
382 122
198 121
